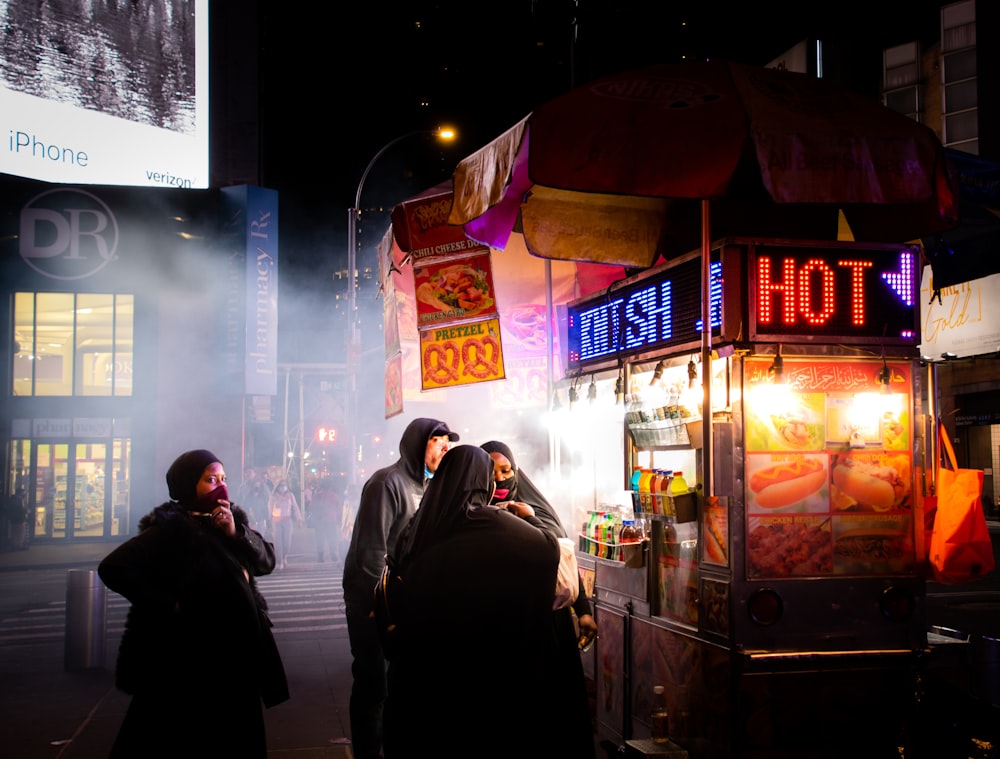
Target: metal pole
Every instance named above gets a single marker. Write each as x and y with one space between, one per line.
288 445
353 347
706 350
349 394
302 445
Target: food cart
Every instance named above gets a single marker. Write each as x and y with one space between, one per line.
780 599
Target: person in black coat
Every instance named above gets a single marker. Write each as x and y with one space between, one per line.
570 702
471 659
388 501
197 654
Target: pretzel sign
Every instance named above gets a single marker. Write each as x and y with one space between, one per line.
461 354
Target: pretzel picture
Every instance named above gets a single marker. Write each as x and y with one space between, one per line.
484 363
440 361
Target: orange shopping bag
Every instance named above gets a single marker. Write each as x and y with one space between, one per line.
960 547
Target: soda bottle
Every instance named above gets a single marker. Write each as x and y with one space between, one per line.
654 489
599 535
678 486
658 717
636 474
629 533
613 528
592 533
645 502
662 489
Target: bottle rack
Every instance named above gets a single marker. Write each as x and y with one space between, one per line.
683 507
632 555
679 432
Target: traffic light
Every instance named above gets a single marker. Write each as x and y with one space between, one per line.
326 434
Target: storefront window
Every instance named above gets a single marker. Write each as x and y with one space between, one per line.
73 344
80 489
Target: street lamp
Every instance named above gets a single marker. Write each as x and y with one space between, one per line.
353 348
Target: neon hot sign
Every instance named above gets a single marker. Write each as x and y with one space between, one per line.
847 295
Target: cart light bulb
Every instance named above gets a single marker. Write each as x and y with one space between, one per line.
897 604
657 372
765 607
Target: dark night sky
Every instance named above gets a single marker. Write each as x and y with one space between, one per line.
339 81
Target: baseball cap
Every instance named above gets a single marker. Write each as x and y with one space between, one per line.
442 429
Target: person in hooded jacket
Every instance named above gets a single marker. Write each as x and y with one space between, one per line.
197 654
388 500
471 656
570 702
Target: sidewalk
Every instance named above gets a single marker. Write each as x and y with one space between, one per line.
51 713
55 555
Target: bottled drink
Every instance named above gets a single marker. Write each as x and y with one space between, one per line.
663 489
678 486
592 534
629 538
636 474
609 537
658 717
654 489
629 533
644 494
599 535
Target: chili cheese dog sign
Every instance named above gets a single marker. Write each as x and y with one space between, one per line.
461 354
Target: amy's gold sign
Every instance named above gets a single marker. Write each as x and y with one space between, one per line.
461 354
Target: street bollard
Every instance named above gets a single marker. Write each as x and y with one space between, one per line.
86 620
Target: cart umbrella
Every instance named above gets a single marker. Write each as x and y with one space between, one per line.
654 162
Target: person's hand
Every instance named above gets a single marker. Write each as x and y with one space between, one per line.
588 626
222 519
517 508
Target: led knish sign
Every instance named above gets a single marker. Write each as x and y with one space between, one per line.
842 295
656 312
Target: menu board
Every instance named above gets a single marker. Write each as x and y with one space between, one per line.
829 470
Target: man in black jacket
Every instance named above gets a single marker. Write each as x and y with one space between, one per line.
388 500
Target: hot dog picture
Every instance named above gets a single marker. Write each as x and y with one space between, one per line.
786 483
870 483
715 533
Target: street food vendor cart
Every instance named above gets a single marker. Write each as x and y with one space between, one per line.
779 600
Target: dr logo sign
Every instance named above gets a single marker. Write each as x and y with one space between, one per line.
67 234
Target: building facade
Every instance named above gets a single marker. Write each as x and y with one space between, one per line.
140 323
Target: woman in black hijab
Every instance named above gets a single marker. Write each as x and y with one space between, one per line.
473 658
197 654
570 700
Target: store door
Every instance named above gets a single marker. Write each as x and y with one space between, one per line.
71 499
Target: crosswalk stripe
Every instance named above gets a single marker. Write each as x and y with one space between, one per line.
309 601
